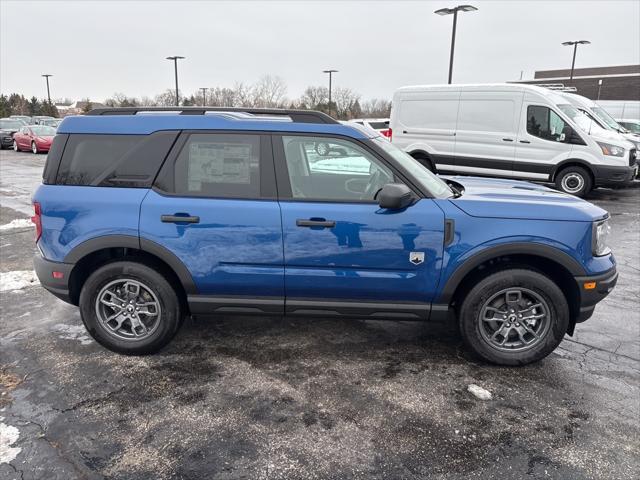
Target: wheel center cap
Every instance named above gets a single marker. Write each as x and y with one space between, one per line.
512 318
130 308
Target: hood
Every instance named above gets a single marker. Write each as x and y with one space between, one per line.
494 198
8 130
608 136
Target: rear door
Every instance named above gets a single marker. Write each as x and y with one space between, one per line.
343 253
486 132
214 207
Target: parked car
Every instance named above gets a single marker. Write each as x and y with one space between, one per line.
24 118
51 122
237 221
37 119
380 125
509 131
633 125
36 138
8 127
602 119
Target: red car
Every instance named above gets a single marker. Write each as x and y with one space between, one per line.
36 138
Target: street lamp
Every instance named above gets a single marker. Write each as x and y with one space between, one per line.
204 96
175 59
454 11
330 72
575 48
46 76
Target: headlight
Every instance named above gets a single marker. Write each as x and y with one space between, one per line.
611 150
601 231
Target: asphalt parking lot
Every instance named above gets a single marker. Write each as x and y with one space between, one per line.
271 398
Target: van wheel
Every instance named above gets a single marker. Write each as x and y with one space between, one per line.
575 181
130 308
425 161
514 317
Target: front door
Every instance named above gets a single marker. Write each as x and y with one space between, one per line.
343 253
214 207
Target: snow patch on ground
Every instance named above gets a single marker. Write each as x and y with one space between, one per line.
17 223
73 332
479 392
17 280
8 436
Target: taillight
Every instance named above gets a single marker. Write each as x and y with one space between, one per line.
387 133
37 220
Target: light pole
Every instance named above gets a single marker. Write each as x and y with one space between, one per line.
204 96
575 48
330 72
46 76
175 59
454 11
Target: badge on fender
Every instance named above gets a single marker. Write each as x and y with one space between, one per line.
416 257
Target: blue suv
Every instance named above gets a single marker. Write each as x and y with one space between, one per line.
146 216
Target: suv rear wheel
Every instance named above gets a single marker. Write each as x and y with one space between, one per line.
514 317
130 308
575 181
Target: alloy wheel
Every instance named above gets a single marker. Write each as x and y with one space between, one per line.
514 319
128 309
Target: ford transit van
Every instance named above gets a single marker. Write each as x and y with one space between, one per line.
507 130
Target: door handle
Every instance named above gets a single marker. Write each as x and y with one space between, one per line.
320 222
525 141
507 139
179 219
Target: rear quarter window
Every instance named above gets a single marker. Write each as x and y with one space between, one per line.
114 160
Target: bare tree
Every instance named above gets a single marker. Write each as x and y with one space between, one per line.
376 107
167 98
346 103
314 97
269 92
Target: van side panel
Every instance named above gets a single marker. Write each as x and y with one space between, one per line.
72 215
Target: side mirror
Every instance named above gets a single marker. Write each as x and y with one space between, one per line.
395 196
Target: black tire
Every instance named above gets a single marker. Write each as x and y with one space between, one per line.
532 283
425 161
170 314
574 180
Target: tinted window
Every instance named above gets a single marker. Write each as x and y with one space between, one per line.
332 169
545 123
216 165
379 125
87 157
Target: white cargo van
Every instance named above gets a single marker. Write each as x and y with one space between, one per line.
621 108
506 130
601 118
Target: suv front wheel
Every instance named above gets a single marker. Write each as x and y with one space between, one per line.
514 317
130 308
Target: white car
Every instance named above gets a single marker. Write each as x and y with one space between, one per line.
510 131
380 125
631 124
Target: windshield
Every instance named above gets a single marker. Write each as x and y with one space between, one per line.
43 131
631 126
10 124
579 118
420 173
607 119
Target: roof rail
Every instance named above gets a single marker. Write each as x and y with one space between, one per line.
302 116
557 86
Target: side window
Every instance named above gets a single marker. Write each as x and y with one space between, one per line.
86 157
545 123
322 168
217 165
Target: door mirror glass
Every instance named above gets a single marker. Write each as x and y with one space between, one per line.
394 196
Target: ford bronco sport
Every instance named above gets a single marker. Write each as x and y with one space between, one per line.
147 215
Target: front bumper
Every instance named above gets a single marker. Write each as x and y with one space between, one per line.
57 286
6 141
602 285
614 176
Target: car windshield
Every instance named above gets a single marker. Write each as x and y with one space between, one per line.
437 187
579 118
43 131
10 124
632 126
607 119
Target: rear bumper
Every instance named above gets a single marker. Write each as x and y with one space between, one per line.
57 286
604 283
610 176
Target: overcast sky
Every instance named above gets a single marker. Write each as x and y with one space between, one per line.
96 48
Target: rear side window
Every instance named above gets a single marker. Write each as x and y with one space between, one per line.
114 160
217 165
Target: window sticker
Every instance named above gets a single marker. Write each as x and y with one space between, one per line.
218 163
